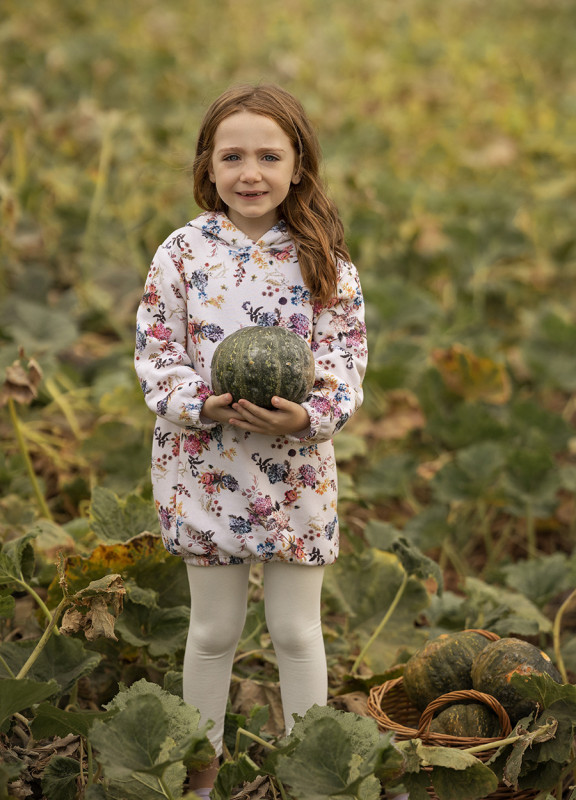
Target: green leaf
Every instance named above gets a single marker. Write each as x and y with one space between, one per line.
162 630
232 774
117 520
389 477
362 732
532 478
18 694
9 771
155 747
319 766
478 781
59 779
544 690
137 732
52 721
62 659
381 534
502 611
455 774
17 559
363 586
541 579
182 717
7 606
416 563
472 476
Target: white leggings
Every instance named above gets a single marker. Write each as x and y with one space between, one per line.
218 611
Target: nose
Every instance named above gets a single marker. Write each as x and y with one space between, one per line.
250 172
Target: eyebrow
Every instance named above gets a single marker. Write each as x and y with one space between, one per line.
259 150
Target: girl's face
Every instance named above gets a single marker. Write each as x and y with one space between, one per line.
253 167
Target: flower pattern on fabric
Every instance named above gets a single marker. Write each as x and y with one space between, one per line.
225 496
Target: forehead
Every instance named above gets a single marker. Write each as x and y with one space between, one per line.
246 127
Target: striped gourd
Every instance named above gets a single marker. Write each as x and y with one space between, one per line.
256 363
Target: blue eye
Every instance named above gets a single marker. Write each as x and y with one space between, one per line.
270 157
231 157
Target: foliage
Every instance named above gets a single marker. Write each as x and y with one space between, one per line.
448 139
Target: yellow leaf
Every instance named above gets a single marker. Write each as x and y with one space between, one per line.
472 377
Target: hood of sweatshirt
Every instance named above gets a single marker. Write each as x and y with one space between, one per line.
216 226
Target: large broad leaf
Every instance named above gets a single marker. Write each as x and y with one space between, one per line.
144 560
363 587
503 611
40 328
532 479
391 476
162 630
549 352
152 759
473 475
541 579
116 520
182 717
232 774
60 777
455 774
138 735
320 766
52 721
473 377
62 660
18 694
17 559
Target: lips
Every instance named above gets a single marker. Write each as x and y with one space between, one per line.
251 194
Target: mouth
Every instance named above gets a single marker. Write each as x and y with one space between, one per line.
252 194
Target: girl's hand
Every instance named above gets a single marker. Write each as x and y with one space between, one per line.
217 408
286 417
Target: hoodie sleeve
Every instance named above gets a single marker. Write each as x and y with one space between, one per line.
340 351
172 387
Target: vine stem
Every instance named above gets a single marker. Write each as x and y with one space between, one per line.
44 638
382 624
16 424
243 732
481 748
556 635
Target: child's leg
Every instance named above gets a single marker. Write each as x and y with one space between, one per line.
292 600
218 598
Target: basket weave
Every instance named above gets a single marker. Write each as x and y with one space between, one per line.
393 711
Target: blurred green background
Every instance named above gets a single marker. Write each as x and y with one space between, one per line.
449 134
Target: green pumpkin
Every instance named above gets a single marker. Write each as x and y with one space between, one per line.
470 720
256 363
495 665
442 665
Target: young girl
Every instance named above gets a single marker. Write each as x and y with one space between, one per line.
234 483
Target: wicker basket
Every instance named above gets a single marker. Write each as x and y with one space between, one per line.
393 711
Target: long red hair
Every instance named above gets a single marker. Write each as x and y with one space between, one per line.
312 218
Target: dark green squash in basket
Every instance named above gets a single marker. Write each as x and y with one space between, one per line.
494 666
443 665
468 720
256 363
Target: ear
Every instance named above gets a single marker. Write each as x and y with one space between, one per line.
211 176
296 178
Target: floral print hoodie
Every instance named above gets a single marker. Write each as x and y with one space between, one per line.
226 496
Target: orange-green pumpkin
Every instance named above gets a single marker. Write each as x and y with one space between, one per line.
442 665
256 363
494 666
471 720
